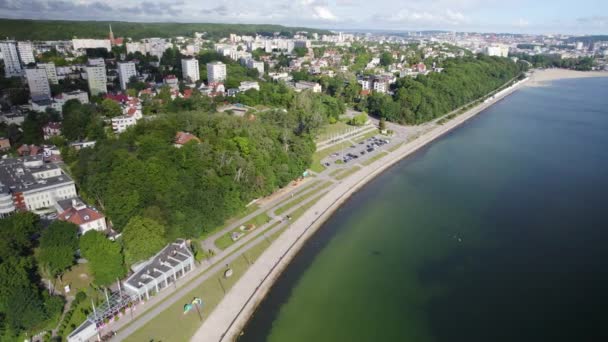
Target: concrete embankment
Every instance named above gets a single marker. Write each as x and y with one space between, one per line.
228 319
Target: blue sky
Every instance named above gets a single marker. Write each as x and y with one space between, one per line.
518 16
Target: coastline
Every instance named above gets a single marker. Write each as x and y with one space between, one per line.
228 319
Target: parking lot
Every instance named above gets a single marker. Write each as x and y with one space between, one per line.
358 151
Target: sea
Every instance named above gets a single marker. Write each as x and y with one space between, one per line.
498 231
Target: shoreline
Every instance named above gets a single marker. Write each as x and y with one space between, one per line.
227 320
544 77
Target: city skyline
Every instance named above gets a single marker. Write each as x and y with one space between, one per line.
518 16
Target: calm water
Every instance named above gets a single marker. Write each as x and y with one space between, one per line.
497 232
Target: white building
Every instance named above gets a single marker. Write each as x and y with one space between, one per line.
253 64
26 53
216 72
121 123
38 83
497 50
126 70
96 77
62 98
51 72
87 218
246 85
160 271
12 64
32 184
80 44
190 70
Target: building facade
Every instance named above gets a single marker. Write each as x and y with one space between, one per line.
38 83
51 72
26 53
190 70
126 70
216 72
97 79
12 64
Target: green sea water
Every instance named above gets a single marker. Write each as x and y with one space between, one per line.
496 232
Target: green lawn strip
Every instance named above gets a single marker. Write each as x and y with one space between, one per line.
335 172
248 210
225 240
302 198
348 172
319 155
396 147
366 136
374 158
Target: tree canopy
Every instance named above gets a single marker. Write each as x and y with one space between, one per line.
142 238
104 256
58 245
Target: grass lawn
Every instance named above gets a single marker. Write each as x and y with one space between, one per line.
225 240
78 277
374 158
335 172
302 198
316 165
173 325
248 210
348 172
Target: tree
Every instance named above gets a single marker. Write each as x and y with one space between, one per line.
104 256
386 58
359 119
110 108
16 233
382 124
58 244
142 238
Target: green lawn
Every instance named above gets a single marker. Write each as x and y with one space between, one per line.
302 198
319 155
374 158
248 210
348 172
335 172
225 240
78 277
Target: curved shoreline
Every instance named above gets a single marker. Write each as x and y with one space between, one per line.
228 319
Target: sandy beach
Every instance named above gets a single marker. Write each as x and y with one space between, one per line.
543 77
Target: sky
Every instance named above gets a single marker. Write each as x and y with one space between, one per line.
513 16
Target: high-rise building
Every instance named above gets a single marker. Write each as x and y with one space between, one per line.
51 71
12 65
216 72
126 70
190 70
97 79
26 53
38 83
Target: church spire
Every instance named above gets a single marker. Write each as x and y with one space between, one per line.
111 35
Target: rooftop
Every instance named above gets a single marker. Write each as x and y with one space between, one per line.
164 261
27 174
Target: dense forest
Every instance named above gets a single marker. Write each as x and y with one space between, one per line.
420 99
22 29
195 188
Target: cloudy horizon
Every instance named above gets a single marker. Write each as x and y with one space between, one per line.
516 16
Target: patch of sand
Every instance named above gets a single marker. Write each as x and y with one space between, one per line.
543 77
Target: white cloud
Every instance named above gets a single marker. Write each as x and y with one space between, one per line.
323 13
521 23
412 17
